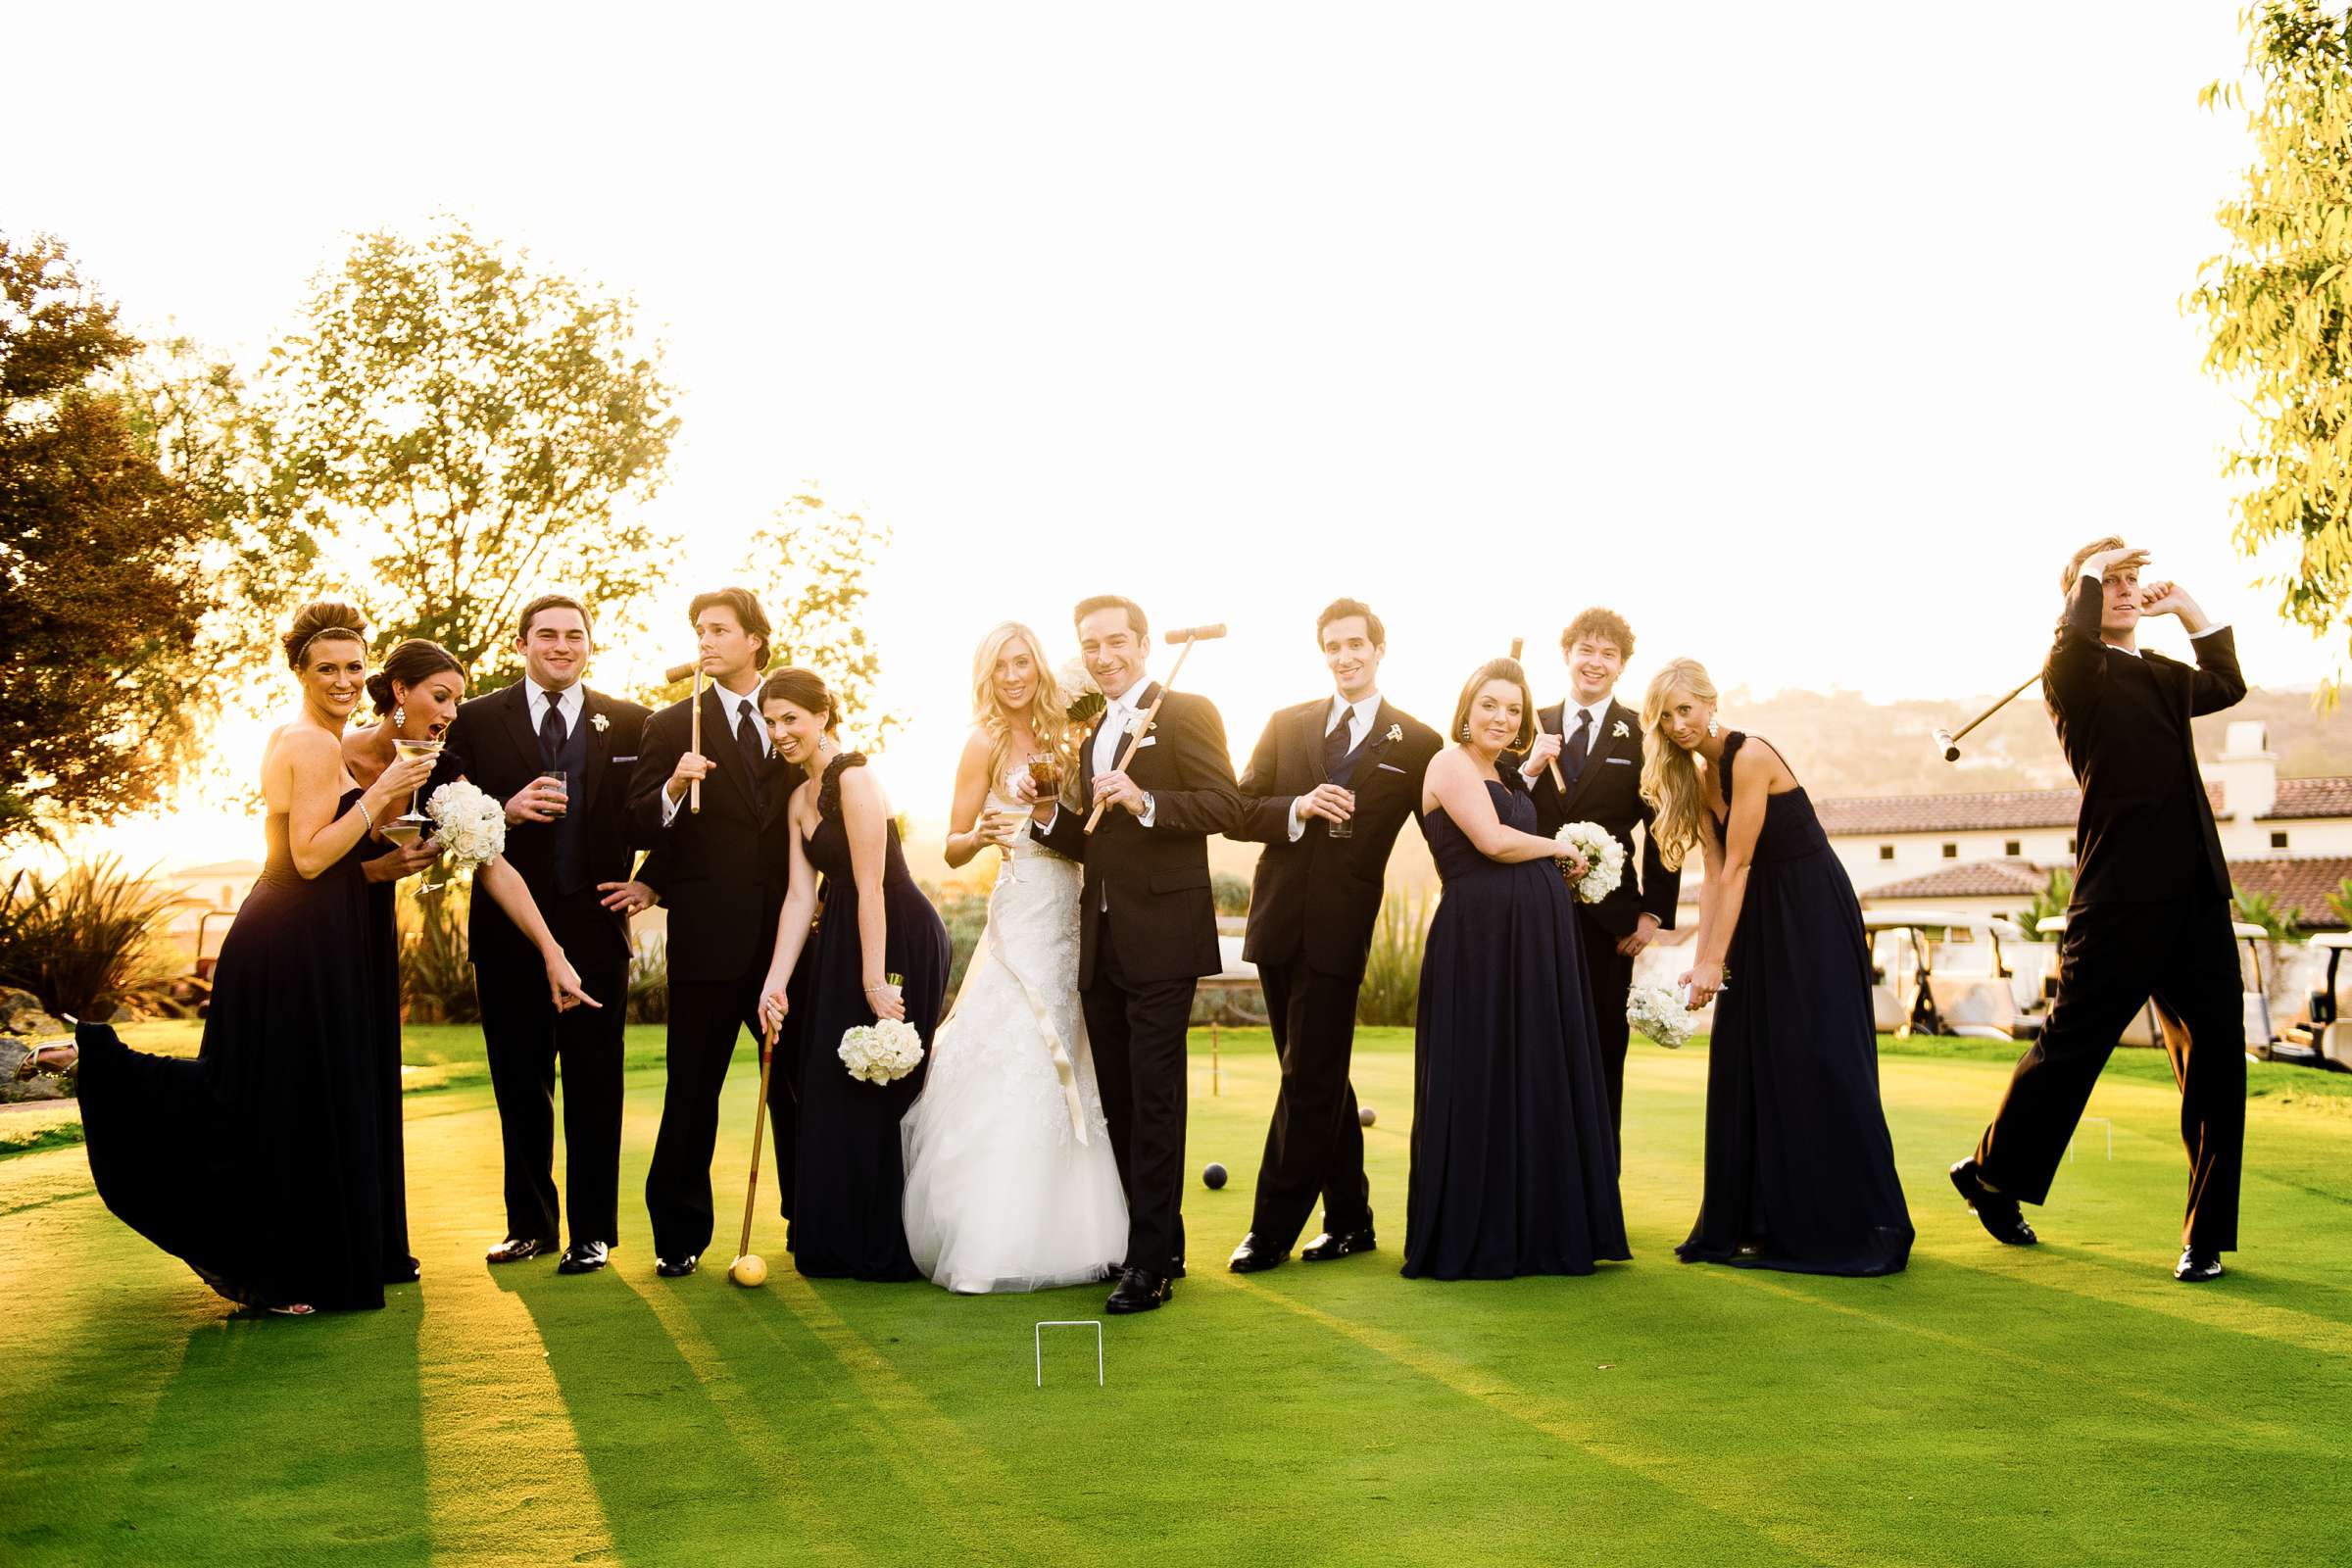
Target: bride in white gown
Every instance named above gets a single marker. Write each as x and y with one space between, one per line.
1011 1182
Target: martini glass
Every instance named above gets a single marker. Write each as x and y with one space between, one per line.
412 822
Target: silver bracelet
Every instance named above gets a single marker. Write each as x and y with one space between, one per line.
366 816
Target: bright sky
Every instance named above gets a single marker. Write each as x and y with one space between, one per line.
1811 338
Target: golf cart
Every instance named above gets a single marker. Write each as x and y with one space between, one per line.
2328 1042
2146 1027
1944 972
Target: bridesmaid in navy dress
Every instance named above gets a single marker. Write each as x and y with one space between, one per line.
260 1162
1514 1166
1799 1168
876 923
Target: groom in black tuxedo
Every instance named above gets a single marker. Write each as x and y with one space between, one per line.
1596 741
722 872
2150 915
1327 790
1148 927
571 843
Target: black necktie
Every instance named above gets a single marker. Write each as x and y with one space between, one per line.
1579 747
551 735
748 736
1335 744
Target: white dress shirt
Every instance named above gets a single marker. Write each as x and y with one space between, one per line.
734 705
1119 715
1360 715
568 702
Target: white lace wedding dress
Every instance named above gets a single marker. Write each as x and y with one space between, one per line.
1010 1183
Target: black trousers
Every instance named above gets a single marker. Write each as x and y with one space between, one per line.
526 1037
1137 1032
1315 1143
1608 976
706 1019
2114 958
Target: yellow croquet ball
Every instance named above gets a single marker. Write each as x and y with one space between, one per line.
749 1271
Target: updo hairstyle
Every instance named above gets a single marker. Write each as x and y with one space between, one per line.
804 689
415 660
320 618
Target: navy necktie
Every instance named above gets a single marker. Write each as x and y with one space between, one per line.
754 742
1579 747
551 736
1335 744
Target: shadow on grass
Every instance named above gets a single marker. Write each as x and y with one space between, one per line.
260 1431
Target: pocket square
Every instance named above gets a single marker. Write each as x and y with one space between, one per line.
1387 767
1149 740
631 758
1618 761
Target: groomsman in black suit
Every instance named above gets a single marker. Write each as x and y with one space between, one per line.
569 840
721 873
1148 927
2150 915
1327 790
1596 741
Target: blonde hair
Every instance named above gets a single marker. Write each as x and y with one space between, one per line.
1047 716
1670 780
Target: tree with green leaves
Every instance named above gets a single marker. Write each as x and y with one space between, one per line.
102 561
2279 304
456 428
2261 909
2051 901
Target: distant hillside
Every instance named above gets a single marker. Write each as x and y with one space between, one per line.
1841 745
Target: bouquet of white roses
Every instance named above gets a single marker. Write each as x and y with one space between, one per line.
1082 699
1603 857
881 1052
1654 1012
471 826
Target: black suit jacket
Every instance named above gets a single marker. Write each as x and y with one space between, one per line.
1609 792
1156 879
2145 829
722 872
1320 897
495 736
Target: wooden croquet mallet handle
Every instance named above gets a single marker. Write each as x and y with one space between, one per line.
694 790
1135 741
1557 782
768 1064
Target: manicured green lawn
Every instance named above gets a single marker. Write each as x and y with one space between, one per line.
2065 1404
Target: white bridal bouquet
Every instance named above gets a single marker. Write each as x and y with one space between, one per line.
881 1052
1655 1012
471 826
1603 855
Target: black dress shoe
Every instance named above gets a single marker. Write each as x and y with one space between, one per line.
1254 1256
408 1271
676 1268
2195 1267
1997 1213
1139 1292
1325 1247
517 1248
582 1257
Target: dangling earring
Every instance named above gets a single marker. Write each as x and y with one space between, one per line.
400 716
1713 729
1465 730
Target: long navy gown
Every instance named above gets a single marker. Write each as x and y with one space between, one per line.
260 1163
1514 1164
849 1180
1799 1167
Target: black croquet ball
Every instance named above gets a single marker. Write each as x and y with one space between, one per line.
1366 1114
1212 1175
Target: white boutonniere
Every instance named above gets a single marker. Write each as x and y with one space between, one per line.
601 722
1395 733
1620 732
1137 725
